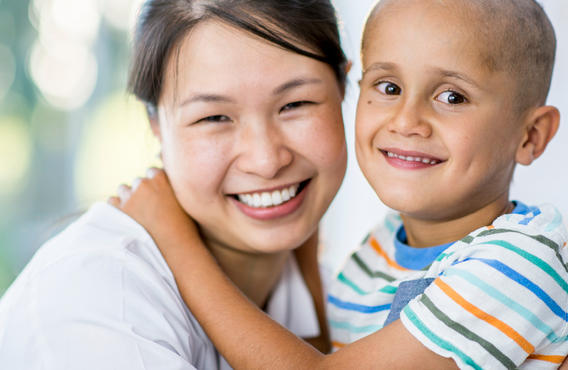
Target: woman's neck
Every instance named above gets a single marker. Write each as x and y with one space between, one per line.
428 233
255 274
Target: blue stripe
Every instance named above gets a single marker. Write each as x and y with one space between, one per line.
505 300
356 307
515 276
535 212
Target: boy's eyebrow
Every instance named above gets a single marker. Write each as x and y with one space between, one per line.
440 71
295 83
454 74
380 66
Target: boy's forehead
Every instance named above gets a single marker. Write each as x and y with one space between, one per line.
458 22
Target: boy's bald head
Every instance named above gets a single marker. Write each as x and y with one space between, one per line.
515 36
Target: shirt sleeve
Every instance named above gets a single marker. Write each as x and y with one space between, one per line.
498 305
100 311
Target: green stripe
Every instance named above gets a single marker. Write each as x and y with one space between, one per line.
533 259
505 300
366 239
389 289
352 328
443 255
468 239
500 356
367 270
342 278
389 225
437 340
539 238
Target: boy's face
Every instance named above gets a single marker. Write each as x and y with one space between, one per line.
436 131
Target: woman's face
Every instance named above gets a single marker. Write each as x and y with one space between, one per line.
252 138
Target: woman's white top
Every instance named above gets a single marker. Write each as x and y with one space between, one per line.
100 296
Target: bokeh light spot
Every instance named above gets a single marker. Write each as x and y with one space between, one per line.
117 145
65 73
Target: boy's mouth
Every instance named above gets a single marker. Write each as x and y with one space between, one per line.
411 157
272 198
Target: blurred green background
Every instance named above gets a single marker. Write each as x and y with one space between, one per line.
69 132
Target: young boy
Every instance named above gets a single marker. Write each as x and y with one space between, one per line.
452 98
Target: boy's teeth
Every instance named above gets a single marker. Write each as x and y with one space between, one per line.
269 199
412 159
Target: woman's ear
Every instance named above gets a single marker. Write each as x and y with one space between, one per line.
347 68
155 127
541 126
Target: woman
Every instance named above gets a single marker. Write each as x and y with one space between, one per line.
245 98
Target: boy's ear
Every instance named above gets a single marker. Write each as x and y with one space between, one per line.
541 126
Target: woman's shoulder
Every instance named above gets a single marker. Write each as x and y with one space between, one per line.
102 236
104 258
104 270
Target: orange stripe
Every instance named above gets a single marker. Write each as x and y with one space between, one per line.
338 344
565 243
490 227
377 247
548 358
500 325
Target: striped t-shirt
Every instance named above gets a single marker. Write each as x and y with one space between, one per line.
498 298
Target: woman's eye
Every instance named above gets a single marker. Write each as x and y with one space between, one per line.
215 119
389 88
451 97
294 105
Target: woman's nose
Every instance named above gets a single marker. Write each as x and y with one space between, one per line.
263 151
409 120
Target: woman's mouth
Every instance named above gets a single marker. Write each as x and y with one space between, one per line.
272 198
272 204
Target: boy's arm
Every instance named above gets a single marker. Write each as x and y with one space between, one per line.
250 339
241 332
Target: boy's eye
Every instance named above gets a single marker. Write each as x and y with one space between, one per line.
451 97
294 105
215 119
389 88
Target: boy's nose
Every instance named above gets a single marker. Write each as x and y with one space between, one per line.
409 120
263 151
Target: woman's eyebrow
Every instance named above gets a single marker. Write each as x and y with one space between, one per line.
206 98
295 83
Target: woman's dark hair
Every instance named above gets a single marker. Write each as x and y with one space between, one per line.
162 25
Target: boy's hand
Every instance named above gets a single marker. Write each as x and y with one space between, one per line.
152 203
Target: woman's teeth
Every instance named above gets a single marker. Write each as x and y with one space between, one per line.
269 199
413 159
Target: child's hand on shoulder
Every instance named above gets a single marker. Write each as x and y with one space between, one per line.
151 202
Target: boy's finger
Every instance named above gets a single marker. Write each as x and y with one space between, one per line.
151 172
124 192
136 183
114 201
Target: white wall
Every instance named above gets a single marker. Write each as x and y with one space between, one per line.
357 208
